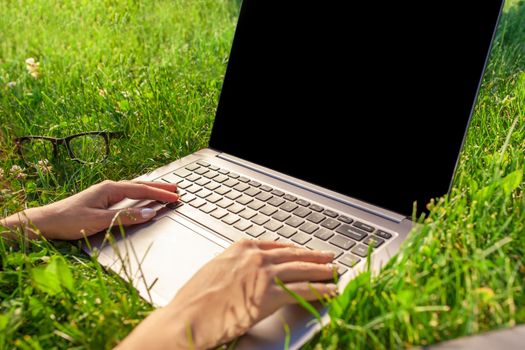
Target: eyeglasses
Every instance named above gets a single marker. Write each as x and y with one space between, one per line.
87 147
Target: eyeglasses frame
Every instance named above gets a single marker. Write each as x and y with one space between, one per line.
57 141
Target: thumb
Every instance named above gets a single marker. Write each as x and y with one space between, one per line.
131 216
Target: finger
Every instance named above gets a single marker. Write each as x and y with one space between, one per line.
130 216
131 190
303 271
158 184
279 256
265 245
307 290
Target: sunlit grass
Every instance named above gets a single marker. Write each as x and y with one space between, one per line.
154 69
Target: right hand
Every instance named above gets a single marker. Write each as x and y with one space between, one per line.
233 292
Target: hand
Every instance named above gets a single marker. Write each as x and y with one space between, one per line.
231 293
87 212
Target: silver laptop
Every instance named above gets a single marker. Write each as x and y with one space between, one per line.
336 125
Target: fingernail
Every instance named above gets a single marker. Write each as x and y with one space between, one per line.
331 266
147 213
333 289
329 253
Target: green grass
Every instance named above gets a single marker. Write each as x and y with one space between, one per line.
154 69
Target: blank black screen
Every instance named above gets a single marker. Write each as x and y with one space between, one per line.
370 99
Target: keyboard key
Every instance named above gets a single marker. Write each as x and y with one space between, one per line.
241 187
219 213
301 238
266 188
222 190
330 223
233 195
288 206
254 183
212 186
203 163
188 197
252 191
230 182
273 225
316 207
281 215
193 177
260 219
308 227
330 213
302 212
211 174
201 171
278 193
345 219
172 179
230 219
213 167
303 202
243 179
243 225
269 236
286 231
349 260
208 208
315 217
203 193
360 250
263 196
182 172
256 205
290 198
223 171
224 203
244 200
384 234
294 221
268 210
236 208
316 244
276 201
214 198
247 213
374 241
255 231
193 166
364 226
352 232
193 189
197 203
202 181
341 269
342 242
221 178
184 184
323 234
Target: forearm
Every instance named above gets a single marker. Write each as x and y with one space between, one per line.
26 220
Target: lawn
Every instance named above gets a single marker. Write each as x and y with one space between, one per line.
153 69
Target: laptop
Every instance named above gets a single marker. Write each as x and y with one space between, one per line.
337 124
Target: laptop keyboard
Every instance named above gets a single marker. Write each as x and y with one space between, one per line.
256 210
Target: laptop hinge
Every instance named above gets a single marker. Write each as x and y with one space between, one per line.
386 214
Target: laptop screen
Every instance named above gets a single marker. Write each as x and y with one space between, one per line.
370 99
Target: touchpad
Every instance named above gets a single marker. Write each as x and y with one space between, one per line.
160 257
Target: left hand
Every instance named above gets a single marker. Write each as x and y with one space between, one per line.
87 212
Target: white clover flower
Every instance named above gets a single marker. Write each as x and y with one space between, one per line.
11 84
33 67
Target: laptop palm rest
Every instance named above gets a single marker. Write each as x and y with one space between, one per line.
160 258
